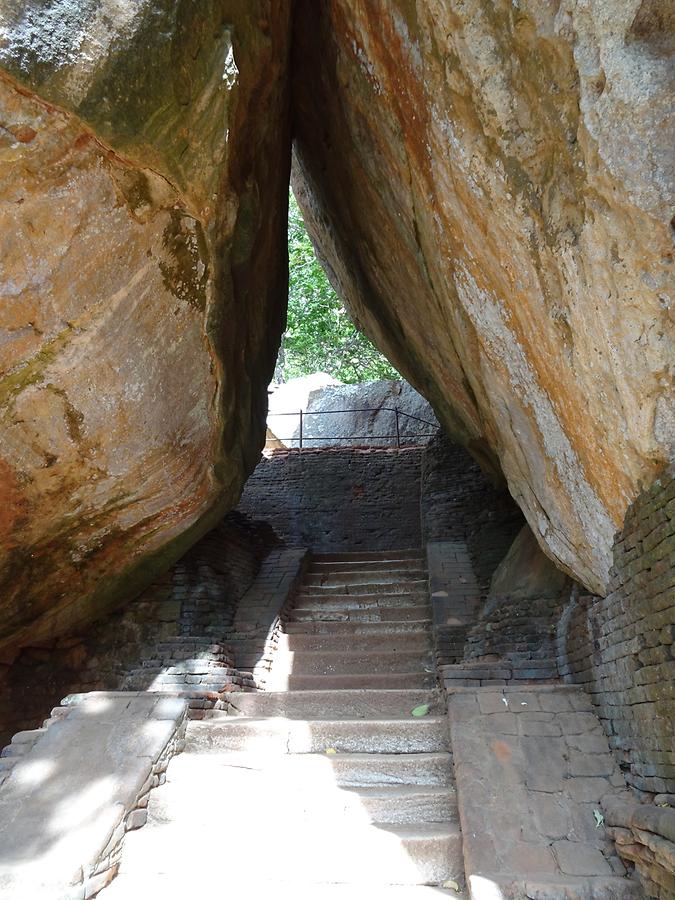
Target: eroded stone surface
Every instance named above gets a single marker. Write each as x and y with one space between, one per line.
143 166
488 183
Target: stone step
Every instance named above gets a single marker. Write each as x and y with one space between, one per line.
305 662
299 797
278 735
387 641
401 680
367 555
367 576
562 887
371 704
350 601
343 770
405 805
309 853
365 588
359 629
368 565
143 885
411 613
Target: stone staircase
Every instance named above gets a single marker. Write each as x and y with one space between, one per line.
324 785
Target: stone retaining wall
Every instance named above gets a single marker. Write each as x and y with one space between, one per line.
620 647
645 837
339 499
174 621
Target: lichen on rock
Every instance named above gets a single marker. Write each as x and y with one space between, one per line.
131 137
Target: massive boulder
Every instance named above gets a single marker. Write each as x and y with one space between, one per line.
347 415
144 157
488 184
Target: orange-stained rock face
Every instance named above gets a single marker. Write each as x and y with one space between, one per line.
142 287
487 180
488 183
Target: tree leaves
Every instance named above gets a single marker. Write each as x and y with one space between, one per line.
420 711
320 336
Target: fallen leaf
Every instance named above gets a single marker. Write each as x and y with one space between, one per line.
330 751
599 818
450 885
420 711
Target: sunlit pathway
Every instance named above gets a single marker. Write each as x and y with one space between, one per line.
325 785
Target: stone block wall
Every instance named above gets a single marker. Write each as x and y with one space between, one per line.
189 608
620 647
521 632
339 499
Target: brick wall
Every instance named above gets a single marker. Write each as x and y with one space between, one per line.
339 499
620 647
195 600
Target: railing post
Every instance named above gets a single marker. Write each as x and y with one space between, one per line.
301 431
398 433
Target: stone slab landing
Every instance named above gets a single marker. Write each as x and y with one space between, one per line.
532 765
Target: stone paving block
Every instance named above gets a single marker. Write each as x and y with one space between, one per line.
520 701
534 727
580 859
579 723
587 743
491 703
591 764
552 815
585 827
589 789
528 857
570 887
555 702
504 722
546 765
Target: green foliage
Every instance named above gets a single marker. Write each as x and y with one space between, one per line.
320 336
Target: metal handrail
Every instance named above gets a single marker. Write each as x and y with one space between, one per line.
301 438
325 412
